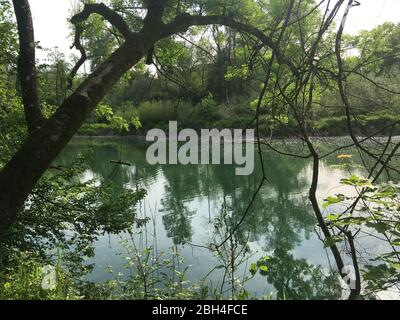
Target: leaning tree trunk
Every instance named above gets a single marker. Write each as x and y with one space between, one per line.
20 175
23 171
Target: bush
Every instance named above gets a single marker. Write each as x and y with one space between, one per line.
337 126
334 126
24 279
152 113
96 129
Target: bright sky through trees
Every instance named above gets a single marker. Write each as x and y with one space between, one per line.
51 27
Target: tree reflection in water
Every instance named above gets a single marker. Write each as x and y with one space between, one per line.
279 220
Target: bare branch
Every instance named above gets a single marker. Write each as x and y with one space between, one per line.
108 14
78 45
185 21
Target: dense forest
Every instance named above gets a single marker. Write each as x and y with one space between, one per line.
285 68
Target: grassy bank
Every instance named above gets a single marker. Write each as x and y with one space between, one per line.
137 120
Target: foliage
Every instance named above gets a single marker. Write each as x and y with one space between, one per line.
23 280
376 210
8 42
296 279
207 77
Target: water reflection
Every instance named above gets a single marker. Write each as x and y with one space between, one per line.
298 280
186 200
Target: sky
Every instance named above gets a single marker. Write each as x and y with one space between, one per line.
52 30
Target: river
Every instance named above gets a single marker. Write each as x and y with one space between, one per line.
183 202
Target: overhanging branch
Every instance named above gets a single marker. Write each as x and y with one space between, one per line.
108 14
183 22
155 11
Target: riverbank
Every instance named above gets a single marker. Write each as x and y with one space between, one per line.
380 125
142 137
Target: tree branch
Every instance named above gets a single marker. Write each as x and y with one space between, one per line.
108 14
183 22
155 11
78 45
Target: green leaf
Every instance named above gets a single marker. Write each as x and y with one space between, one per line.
333 200
380 227
264 268
265 259
395 242
395 265
333 217
356 181
253 269
330 241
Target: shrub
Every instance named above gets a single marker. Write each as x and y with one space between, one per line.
24 279
155 112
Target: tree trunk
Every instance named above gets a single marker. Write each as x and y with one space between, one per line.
27 65
24 170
